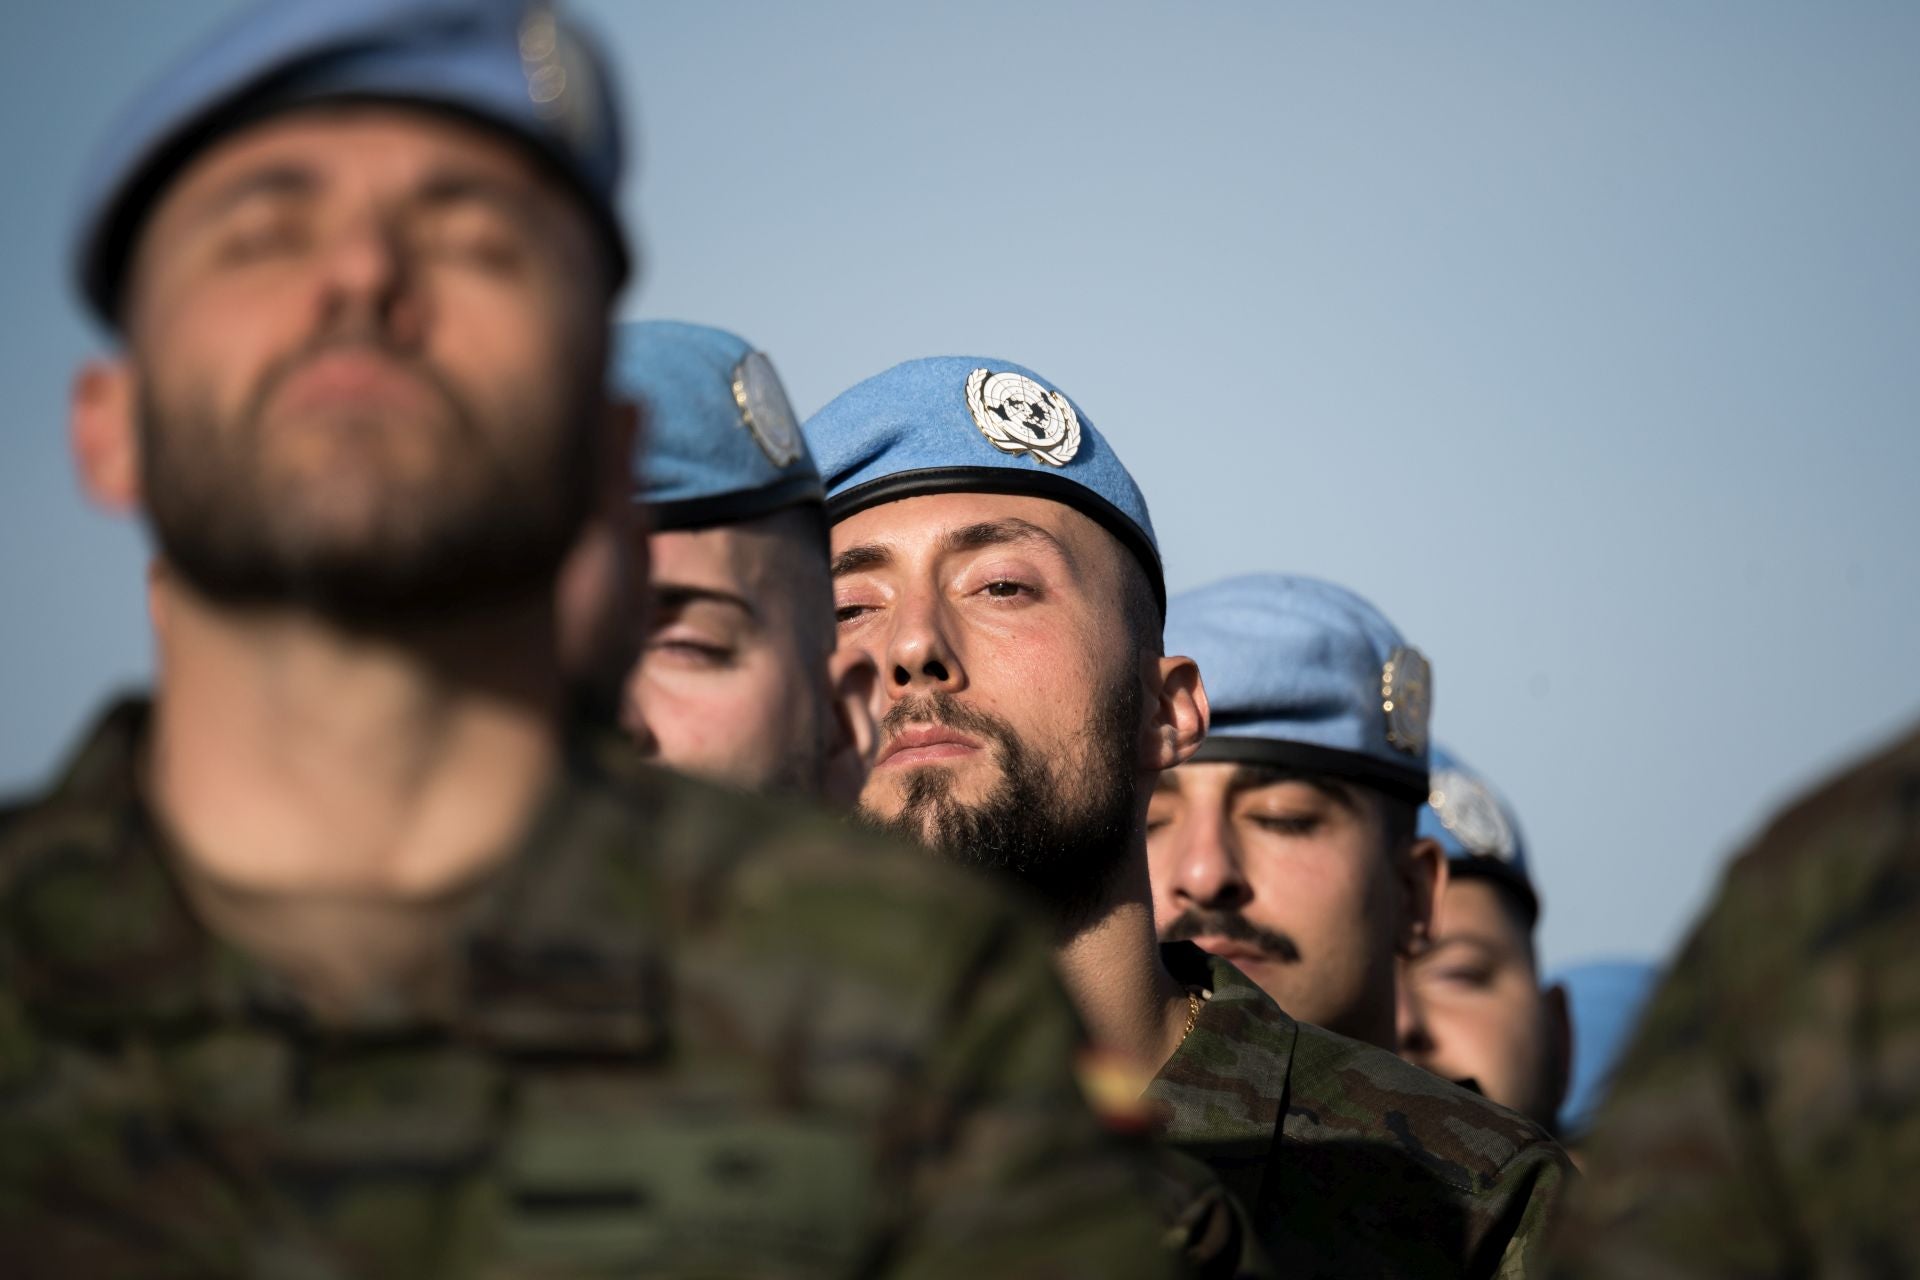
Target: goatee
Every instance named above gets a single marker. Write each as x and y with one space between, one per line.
1065 843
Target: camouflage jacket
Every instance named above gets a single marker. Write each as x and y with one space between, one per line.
1766 1119
1350 1161
700 1035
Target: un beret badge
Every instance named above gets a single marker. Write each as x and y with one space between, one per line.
765 410
560 76
1406 696
1018 415
1467 809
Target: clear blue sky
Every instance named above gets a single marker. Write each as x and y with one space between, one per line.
1584 339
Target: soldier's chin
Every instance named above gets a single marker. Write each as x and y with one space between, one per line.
953 781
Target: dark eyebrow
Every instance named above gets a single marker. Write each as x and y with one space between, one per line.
672 595
868 555
996 533
282 178
968 537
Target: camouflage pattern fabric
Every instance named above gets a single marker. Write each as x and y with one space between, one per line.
1350 1161
701 1035
1766 1119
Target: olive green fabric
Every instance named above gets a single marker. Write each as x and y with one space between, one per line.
1348 1160
699 1035
1766 1119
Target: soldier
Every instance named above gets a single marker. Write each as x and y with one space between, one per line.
338 958
1472 1006
1766 1119
738 678
998 563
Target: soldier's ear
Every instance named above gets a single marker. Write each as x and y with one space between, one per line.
103 431
1179 716
1423 886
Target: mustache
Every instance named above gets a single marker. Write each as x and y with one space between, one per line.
1234 927
944 709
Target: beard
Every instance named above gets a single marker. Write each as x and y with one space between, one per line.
1062 826
491 519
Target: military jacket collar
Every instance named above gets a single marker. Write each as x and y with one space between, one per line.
103 940
1222 1096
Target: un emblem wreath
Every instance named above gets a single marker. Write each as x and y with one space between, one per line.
765 410
1406 697
1018 415
1468 809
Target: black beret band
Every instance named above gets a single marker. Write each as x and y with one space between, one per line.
1403 782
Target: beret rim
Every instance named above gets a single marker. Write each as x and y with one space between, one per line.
1403 782
105 249
1038 484
733 507
1503 874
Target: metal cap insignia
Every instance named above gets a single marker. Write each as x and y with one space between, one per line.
560 76
1406 695
1018 415
1467 809
765 410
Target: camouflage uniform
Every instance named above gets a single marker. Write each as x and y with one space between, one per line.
699 1035
1766 1120
1350 1161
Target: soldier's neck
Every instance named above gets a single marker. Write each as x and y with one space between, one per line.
291 757
1110 964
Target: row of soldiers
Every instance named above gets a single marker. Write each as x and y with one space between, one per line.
376 940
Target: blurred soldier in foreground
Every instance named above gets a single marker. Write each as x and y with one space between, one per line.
998 563
1472 1007
738 678
1288 845
1604 1000
1766 1119
338 958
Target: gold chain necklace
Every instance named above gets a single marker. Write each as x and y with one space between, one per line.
1193 1015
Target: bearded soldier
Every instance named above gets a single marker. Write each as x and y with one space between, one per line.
341 955
998 564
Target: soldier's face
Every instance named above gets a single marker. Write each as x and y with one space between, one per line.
736 677
1010 694
1471 1007
367 345
1290 880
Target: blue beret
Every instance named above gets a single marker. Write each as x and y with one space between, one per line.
1605 999
511 64
1476 828
720 442
1305 675
968 424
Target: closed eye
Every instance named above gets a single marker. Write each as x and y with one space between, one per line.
262 238
1472 978
692 652
1286 824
